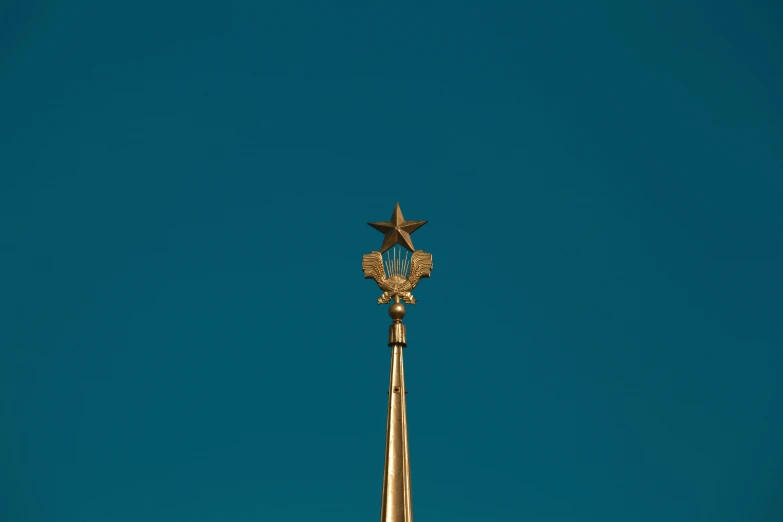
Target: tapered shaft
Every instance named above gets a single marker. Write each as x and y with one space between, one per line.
396 500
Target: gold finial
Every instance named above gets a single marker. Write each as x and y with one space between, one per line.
401 271
397 311
397 275
397 329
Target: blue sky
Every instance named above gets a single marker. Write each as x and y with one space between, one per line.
184 193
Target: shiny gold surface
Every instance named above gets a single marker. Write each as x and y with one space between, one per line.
396 499
397 275
397 335
398 284
397 329
397 230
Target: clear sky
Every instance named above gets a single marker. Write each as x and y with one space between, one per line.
185 333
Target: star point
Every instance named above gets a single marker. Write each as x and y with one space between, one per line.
397 230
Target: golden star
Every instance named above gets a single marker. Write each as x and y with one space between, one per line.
397 230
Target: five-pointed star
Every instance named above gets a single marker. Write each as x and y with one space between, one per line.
397 230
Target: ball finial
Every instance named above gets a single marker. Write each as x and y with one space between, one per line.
397 311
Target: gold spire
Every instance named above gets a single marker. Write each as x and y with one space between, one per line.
396 499
397 275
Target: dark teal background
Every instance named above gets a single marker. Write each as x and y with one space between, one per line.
185 332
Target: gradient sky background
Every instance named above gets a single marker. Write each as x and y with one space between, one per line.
186 333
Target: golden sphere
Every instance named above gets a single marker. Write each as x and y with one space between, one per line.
397 311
